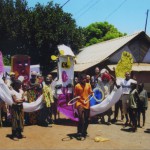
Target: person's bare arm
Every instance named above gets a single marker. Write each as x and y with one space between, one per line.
18 101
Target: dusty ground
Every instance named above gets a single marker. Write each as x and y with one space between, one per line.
62 136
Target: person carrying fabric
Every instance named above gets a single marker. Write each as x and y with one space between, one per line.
34 90
17 110
126 87
55 113
143 102
6 117
106 84
46 112
83 90
94 83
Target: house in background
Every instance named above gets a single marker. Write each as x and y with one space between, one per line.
107 54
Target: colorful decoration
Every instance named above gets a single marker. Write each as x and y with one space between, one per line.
53 57
21 66
97 98
124 65
64 84
107 103
64 76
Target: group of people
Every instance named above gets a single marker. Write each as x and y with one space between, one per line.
28 92
132 103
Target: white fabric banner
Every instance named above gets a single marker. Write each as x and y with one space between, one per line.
5 95
34 106
107 103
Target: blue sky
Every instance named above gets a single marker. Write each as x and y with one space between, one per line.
128 16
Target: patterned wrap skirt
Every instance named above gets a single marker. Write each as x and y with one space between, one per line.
17 117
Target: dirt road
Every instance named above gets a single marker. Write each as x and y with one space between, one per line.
62 136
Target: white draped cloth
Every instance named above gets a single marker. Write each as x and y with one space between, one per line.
110 100
107 103
5 95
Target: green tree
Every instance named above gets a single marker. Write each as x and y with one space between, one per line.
37 31
6 61
100 31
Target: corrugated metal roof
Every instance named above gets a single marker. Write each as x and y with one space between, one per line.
94 54
135 67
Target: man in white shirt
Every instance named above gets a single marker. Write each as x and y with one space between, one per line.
126 87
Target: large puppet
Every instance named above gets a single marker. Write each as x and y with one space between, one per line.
21 66
64 82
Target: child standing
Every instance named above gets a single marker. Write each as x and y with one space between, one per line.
143 102
133 104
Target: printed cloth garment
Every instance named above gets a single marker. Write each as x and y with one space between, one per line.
47 95
17 117
17 112
32 94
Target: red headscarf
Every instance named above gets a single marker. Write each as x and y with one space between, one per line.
106 76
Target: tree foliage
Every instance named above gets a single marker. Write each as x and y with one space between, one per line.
6 61
99 32
38 31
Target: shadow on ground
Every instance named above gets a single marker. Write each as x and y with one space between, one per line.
127 129
147 131
70 137
66 122
73 136
9 136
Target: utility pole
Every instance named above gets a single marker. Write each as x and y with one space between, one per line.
146 19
